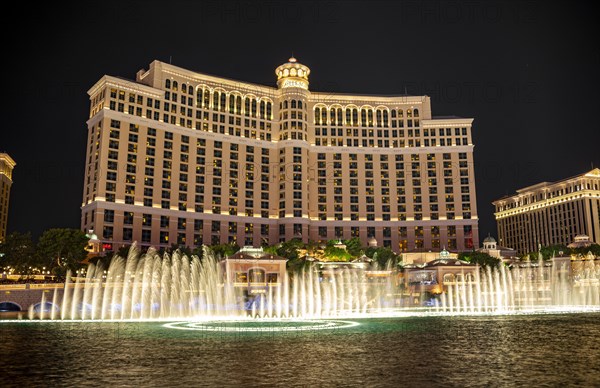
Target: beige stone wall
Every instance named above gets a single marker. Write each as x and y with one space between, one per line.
550 213
6 169
247 164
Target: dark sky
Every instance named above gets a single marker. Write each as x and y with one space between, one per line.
528 72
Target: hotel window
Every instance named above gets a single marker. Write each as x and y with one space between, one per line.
109 215
128 218
107 232
127 234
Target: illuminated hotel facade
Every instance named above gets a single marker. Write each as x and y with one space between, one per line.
7 164
550 213
180 157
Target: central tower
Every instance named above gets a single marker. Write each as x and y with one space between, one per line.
292 83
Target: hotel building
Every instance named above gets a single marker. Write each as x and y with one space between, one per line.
6 168
550 213
183 157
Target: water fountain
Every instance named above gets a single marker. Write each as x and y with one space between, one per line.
150 287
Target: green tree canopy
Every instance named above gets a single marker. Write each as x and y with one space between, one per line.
336 254
383 255
481 258
354 247
18 251
224 250
289 249
583 251
549 252
62 249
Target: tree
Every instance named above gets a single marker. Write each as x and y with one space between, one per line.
481 258
583 251
383 255
289 249
354 247
62 249
18 251
336 254
224 250
548 252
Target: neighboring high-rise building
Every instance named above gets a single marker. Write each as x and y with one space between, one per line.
6 168
550 213
188 158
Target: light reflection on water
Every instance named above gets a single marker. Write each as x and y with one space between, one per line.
472 350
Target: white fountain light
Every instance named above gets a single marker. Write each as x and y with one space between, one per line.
242 326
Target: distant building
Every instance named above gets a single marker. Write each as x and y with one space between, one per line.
423 257
7 164
491 247
550 213
254 271
436 276
180 157
581 241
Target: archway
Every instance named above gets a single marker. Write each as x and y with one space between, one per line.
46 307
9 306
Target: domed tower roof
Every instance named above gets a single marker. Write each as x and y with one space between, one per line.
292 74
489 239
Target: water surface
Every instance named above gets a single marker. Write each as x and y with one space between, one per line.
514 350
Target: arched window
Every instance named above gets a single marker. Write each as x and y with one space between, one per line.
408 113
385 118
206 102
238 105
215 100
331 115
317 115
324 116
246 106
199 98
285 104
190 90
348 116
400 113
355 117
253 108
168 84
379 118
231 103
299 104
363 117
449 278
184 88
370 113
339 116
293 104
175 85
223 101
416 113
262 109
269 110
393 113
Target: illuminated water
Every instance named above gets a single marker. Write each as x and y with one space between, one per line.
512 350
153 287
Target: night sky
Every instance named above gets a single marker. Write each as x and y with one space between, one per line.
528 73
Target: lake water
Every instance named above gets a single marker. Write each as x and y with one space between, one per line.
514 350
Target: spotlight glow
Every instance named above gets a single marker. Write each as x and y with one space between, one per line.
264 326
